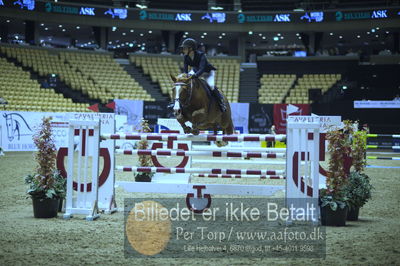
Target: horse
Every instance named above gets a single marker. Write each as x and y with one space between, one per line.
193 103
15 124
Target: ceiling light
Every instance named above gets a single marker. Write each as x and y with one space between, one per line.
8 21
260 34
109 42
250 32
186 32
60 26
387 32
205 33
340 37
141 6
276 38
298 9
377 28
220 37
141 34
281 37
377 36
114 28
150 31
124 33
297 34
184 36
216 8
372 30
223 34
42 24
358 36
77 27
331 33
278 34
126 6
46 28
131 30
131 45
264 37
202 36
64 30
368 32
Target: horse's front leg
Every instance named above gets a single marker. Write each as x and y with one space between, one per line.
182 122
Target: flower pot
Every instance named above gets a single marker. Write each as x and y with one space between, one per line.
352 214
333 218
45 208
143 177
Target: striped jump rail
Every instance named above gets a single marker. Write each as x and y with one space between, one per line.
174 170
201 137
383 147
240 176
394 136
383 158
160 152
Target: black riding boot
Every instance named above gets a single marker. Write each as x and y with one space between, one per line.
220 99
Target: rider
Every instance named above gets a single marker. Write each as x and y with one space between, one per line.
200 68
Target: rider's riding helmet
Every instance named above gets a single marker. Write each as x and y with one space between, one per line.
189 43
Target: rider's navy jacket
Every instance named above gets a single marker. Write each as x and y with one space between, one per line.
199 63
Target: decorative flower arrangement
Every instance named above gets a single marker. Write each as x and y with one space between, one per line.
47 181
358 188
339 149
144 160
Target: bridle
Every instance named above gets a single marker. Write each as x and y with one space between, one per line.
188 99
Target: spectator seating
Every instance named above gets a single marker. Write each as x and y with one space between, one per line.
94 74
228 77
110 79
160 67
274 87
25 94
299 93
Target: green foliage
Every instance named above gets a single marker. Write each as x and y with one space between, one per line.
144 160
334 201
358 150
339 149
47 181
358 189
39 189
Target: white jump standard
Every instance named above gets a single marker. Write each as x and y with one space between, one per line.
302 165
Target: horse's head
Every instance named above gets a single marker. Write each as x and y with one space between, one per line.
182 92
10 126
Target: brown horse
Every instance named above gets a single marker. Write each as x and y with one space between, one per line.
192 103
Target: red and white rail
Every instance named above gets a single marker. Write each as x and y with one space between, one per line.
173 170
165 152
240 176
201 137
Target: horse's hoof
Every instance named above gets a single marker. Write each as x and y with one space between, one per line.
195 131
221 143
187 130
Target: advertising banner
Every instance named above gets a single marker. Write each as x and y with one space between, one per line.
282 111
261 118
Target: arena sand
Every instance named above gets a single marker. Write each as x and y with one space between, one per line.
24 240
